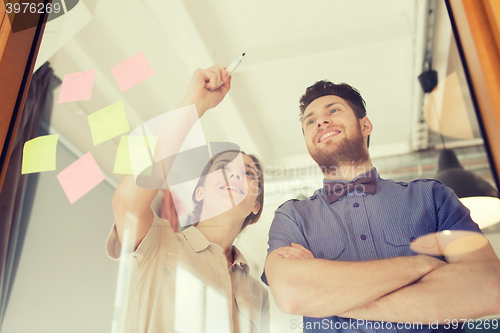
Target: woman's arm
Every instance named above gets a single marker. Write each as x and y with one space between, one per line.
131 203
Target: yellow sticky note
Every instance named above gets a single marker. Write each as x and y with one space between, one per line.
135 154
39 154
107 123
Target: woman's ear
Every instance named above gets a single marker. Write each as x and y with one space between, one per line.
256 207
199 194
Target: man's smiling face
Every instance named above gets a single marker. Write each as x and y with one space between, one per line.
333 134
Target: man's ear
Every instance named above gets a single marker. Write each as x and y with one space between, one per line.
366 126
199 194
256 207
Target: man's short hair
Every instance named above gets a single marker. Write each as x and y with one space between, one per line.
324 88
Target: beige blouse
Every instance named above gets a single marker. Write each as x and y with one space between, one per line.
180 282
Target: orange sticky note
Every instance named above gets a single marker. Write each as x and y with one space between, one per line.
132 71
80 177
39 154
77 87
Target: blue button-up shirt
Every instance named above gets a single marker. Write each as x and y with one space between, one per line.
362 226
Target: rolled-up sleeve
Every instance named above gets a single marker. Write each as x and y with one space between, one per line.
285 230
451 212
149 247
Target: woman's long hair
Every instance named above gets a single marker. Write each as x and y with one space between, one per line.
198 205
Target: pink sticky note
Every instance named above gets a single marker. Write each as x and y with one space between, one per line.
80 177
77 87
132 71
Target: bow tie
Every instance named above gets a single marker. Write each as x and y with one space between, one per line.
367 183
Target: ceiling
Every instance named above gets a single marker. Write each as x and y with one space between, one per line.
376 46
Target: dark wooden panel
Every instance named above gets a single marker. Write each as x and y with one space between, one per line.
17 59
477 25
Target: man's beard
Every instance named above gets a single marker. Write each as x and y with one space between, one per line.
347 152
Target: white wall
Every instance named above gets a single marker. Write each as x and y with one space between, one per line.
65 282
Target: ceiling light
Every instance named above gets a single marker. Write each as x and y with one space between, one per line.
475 193
428 80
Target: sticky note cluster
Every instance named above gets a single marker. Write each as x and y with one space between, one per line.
129 73
134 152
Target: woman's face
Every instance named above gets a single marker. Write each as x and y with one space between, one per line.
232 186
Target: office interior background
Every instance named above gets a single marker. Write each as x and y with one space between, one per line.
63 280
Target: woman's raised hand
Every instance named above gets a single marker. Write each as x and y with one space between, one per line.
207 88
205 91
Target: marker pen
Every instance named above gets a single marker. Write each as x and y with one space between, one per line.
232 66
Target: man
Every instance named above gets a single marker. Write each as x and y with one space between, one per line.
344 252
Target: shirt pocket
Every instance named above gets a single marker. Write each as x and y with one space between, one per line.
169 268
398 239
331 249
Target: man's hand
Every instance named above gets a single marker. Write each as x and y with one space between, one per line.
207 88
295 251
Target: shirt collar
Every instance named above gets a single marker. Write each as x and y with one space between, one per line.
239 260
196 239
373 170
199 242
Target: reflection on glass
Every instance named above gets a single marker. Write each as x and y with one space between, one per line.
485 211
189 302
449 243
216 312
124 274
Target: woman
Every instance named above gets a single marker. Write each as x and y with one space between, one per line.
194 281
